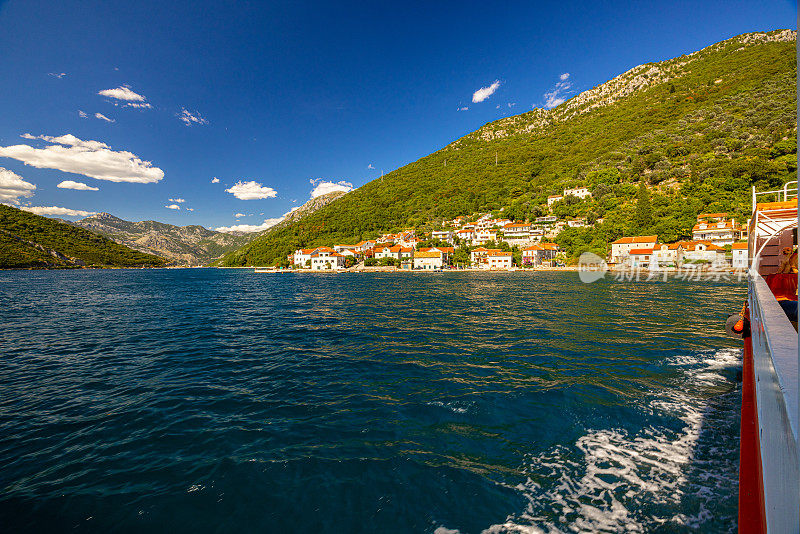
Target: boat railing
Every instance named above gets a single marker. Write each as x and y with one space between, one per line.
784 193
768 223
775 358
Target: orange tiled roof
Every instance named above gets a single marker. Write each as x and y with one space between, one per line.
435 254
710 227
636 251
739 246
498 253
636 239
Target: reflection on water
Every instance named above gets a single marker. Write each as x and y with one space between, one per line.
210 400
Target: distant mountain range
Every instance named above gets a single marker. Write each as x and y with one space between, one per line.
31 241
181 245
656 145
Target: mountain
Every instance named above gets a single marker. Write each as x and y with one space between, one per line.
186 245
656 145
32 241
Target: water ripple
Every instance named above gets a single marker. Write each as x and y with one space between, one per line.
222 401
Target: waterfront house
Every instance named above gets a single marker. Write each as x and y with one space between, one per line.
539 254
429 260
639 258
478 256
740 256
621 248
302 257
325 258
703 252
447 253
667 255
498 260
388 252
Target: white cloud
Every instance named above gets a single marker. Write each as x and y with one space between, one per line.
189 209
323 188
13 187
250 228
55 210
215 180
371 166
512 104
465 108
485 92
240 215
188 118
78 186
122 92
103 117
82 114
144 105
89 158
173 207
558 94
178 200
251 191
58 75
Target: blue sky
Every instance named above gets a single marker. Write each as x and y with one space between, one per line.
273 96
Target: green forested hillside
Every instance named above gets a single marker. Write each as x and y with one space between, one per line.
31 241
656 146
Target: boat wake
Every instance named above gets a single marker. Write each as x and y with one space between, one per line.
614 481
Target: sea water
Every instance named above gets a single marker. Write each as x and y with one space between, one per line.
212 400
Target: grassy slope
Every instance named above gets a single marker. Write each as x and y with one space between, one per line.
698 144
73 242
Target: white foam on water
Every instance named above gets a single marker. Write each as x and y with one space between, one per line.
455 407
620 475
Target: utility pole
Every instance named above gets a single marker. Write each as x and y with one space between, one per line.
495 159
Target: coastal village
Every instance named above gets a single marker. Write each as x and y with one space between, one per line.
489 243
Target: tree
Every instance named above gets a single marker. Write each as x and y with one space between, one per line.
643 218
461 256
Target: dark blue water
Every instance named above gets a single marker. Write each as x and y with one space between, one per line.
227 401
